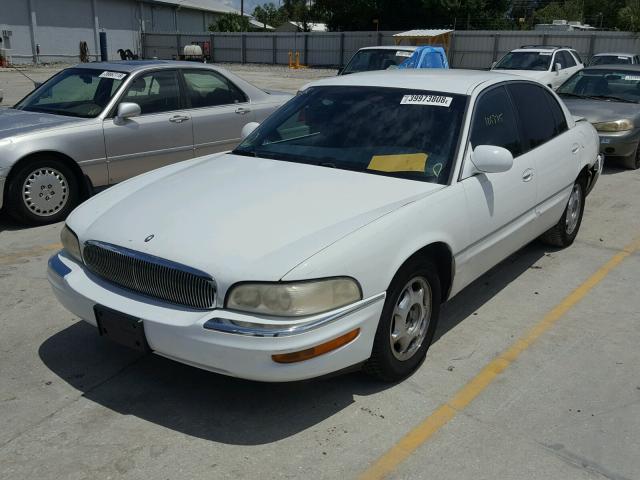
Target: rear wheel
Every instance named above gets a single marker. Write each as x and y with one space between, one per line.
43 190
407 323
563 233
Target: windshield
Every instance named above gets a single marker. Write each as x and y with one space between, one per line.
612 85
74 92
367 60
525 61
389 131
610 60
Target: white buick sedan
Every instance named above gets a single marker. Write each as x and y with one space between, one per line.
332 234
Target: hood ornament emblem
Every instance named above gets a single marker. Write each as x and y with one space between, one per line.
149 238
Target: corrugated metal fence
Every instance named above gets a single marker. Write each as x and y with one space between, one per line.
469 49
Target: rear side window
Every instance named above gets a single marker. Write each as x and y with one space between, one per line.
210 89
536 119
569 61
559 119
494 122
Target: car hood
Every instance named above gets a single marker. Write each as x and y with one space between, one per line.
596 111
18 122
241 218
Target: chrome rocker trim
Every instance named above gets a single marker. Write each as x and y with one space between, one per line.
282 330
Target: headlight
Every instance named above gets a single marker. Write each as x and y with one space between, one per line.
70 243
617 126
294 299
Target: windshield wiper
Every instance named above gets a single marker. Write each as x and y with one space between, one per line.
571 95
610 97
245 153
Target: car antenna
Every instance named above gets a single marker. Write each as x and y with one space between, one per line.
35 84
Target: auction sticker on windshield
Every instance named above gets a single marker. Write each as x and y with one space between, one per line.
430 100
114 75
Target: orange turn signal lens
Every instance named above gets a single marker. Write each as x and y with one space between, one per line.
309 353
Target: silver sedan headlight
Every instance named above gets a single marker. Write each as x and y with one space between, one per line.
294 299
616 126
70 243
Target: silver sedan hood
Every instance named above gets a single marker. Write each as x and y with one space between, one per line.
18 122
596 111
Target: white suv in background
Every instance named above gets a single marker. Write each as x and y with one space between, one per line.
546 64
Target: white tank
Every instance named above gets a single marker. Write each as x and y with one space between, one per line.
192 51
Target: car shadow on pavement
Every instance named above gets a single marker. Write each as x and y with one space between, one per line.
224 409
613 168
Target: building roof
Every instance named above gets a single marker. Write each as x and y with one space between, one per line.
217 6
423 33
456 81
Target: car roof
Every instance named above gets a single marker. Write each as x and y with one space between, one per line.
129 66
615 54
456 81
406 48
617 66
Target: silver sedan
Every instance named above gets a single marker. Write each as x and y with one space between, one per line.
97 124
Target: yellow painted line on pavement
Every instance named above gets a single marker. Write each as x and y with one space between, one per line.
408 444
18 255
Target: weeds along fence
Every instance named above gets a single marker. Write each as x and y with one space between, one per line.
469 49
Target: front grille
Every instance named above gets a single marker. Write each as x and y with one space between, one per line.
151 276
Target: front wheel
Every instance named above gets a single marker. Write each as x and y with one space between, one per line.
43 190
563 233
407 324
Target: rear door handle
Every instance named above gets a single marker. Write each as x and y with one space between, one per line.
178 119
527 175
242 111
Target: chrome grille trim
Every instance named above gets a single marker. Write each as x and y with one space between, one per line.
150 275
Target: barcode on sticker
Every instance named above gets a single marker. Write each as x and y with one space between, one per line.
114 75
400 53
632 78
431 100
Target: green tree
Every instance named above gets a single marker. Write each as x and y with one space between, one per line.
230 22
629 16
571 10
269 14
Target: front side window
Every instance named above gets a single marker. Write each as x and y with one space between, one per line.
210 89
367 60
567 59
411 134
525 61
74 92
494 122
538 125
606 85
155 92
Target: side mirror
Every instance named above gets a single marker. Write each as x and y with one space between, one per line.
248 129
557 67
128 110
493 64
491 159
37 85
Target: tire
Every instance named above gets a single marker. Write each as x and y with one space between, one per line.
563 233
396 356
632 162
42 190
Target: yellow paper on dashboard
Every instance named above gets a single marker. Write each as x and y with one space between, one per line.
409 162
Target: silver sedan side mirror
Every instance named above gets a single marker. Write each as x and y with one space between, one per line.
491 159
248 129
128 110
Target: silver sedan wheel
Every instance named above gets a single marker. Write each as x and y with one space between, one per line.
45 192
573 209
411 317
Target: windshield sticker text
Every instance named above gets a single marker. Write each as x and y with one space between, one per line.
429 100
114 75
546 54
400 53
632 78
494 119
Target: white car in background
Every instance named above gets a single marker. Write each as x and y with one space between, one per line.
614 59
331 235
551 66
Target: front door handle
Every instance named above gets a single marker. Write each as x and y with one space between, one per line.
178 119
575 148
242 111
527 175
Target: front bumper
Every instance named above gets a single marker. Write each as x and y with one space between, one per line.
619 144
179 333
